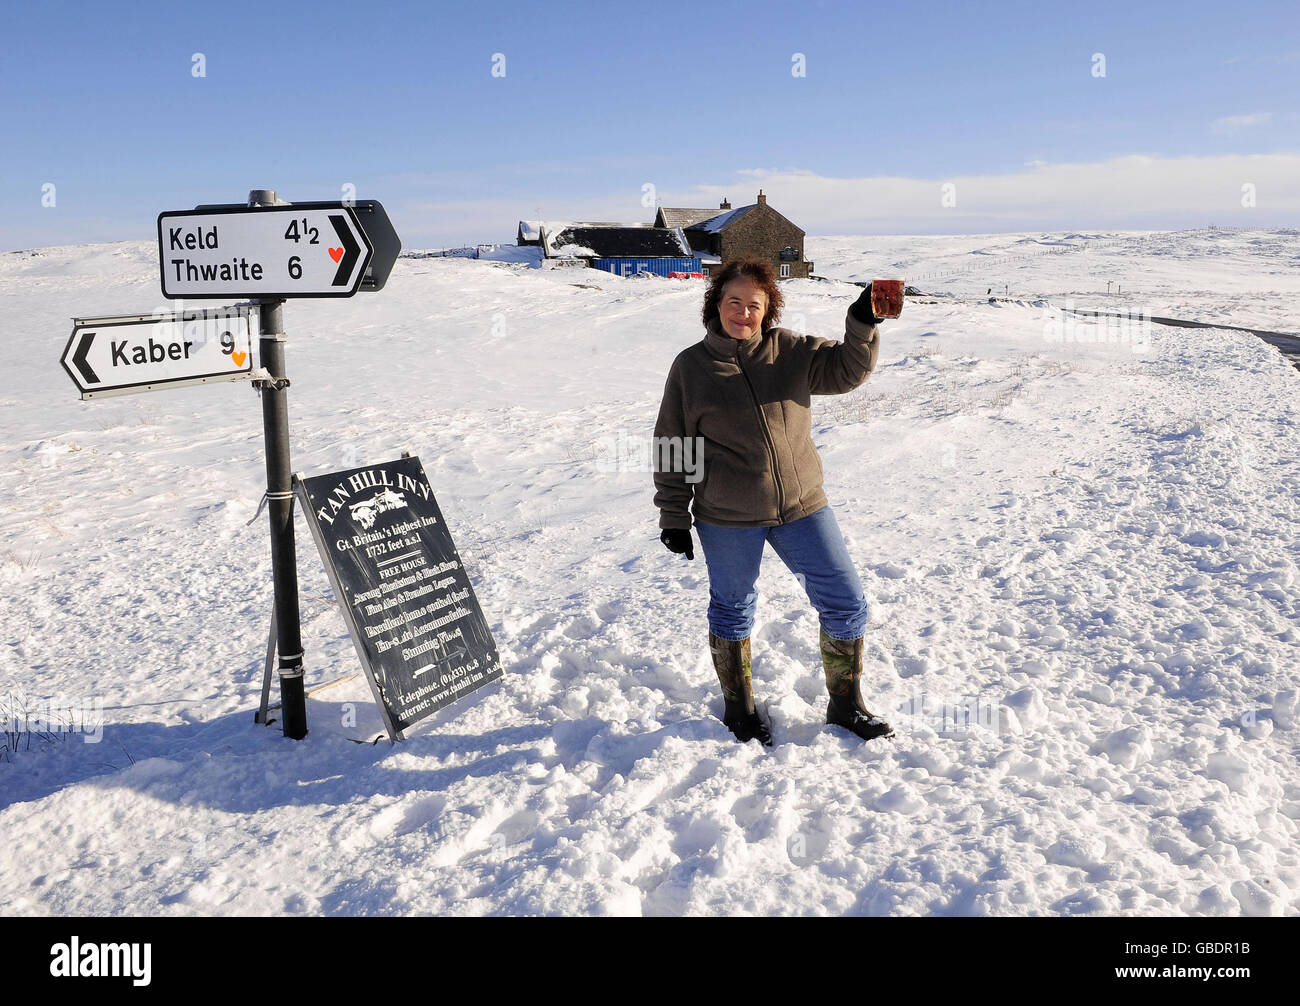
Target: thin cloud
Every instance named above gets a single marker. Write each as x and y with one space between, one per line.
1133 192
1232 123
1138 190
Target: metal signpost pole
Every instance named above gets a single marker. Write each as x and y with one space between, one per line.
269 250
279 500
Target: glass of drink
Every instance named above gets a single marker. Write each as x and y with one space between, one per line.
886 298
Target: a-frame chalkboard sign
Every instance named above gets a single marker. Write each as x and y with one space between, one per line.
416 624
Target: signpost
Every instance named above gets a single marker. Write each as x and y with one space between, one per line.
131 354
268 250
415 622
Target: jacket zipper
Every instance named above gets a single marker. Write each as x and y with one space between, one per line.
767 438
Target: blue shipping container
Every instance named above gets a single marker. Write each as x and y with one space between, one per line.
658 266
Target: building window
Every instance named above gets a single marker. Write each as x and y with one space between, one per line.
785 271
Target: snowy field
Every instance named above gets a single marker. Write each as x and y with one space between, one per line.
1081 560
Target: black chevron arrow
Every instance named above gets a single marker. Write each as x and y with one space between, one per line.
79 359
350 249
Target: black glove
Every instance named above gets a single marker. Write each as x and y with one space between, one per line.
861 308
678 540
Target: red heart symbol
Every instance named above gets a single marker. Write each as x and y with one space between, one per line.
336 253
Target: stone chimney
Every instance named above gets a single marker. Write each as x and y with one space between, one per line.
725 204
762 199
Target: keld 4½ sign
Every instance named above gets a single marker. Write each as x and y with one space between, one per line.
307 250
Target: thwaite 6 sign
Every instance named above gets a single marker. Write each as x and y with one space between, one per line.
304 250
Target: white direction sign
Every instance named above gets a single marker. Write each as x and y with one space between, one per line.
307 250
134 353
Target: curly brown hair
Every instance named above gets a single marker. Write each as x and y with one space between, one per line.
757 272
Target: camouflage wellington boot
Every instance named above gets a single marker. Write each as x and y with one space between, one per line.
842 660
732 662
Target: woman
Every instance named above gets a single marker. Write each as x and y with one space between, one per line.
744 391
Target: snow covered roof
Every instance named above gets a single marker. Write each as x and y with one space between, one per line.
716 223
679 216
531 230
571 251
535 232
616 241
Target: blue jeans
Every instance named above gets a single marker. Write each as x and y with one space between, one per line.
813 549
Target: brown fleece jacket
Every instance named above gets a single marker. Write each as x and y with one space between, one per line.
748 401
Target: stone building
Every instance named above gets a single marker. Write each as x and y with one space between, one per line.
755 230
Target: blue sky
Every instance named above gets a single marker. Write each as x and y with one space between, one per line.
999 100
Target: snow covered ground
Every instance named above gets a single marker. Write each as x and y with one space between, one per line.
1081 559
